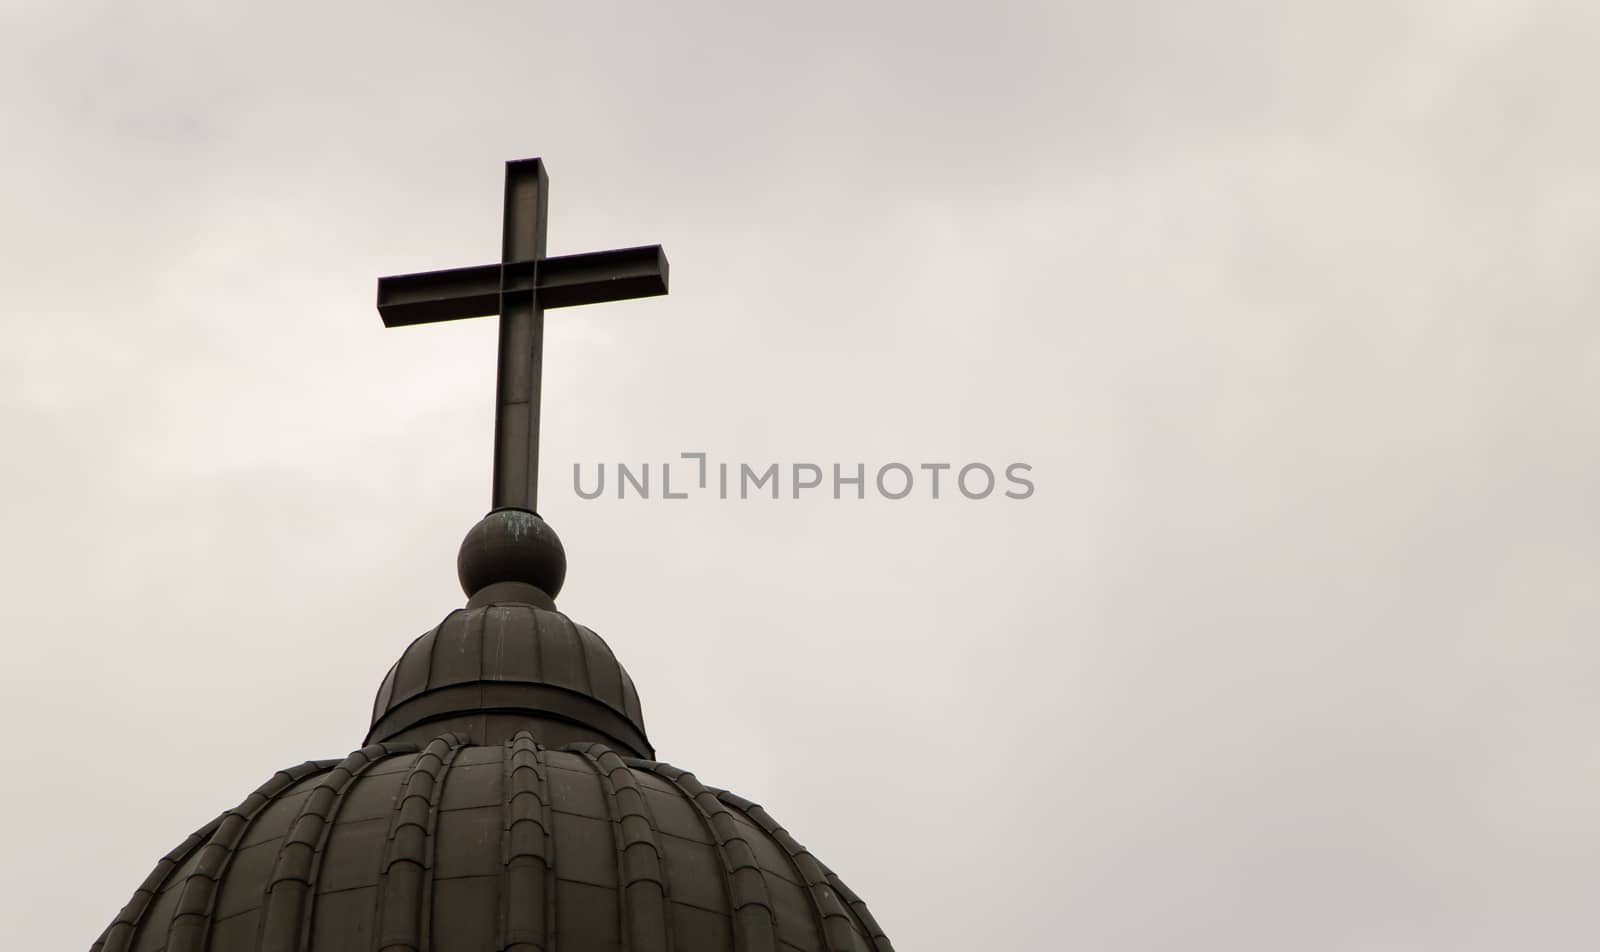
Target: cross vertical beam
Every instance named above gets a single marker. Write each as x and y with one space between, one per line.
520 372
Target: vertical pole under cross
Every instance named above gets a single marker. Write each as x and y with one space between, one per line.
516 417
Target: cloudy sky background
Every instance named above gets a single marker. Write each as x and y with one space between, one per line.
1291 307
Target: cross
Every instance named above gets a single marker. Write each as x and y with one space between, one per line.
519 288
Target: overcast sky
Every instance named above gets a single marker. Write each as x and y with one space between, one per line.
1291 308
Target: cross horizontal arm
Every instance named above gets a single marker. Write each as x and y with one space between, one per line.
589 278
600 276
439 295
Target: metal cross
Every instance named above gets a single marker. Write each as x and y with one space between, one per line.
519 288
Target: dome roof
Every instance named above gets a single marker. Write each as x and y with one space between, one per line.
452 846
507 800
485 670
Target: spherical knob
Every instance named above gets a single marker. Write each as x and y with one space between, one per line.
511 545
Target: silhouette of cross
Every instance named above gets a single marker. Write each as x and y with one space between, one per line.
519 288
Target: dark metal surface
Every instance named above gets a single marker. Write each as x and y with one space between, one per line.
443 845
590 278
516 659
511 545
519 289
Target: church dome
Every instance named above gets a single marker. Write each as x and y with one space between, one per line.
506 800
485 670
453 846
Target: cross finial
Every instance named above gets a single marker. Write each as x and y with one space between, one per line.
519 289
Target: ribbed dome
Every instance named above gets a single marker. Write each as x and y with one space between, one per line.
510 847
485 671
506 801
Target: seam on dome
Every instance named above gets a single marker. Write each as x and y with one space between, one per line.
403 890
630 696
754 925
575 692
540 713
287 907
433 654
412 653
837 936
644 908
119 935
479 638
191 920
616 664
582 655
869 924
526 911
547 812
385 690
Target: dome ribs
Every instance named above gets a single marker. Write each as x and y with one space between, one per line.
753 920
385 692
639 863
456 655
412 671
404 891
630 702
503 847
537 647
880 941
118 936
495 663
604 672
837 934
561 657
191 920
285 913
496 669
528 896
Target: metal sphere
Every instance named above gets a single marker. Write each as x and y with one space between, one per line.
511 545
